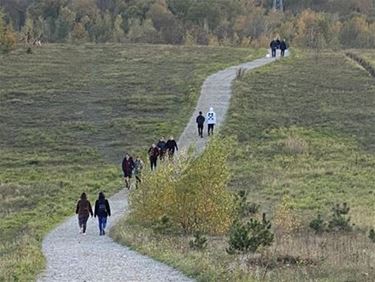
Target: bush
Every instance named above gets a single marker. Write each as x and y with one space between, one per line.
191 192
248 237
318 224
199 242
340 220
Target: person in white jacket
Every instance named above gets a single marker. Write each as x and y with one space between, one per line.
211 121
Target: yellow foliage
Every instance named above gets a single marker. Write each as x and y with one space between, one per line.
285 219
191 193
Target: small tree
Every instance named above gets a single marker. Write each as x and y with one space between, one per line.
318 224
7 36
191 192
248 237
340 220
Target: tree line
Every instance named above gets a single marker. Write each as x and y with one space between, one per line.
246 23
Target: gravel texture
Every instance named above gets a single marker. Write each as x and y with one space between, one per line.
75 257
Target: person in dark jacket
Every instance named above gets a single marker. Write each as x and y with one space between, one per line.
161 146
102 211
153 153
283 47
171 147
83 210
278 43
127 168
200 122
273 46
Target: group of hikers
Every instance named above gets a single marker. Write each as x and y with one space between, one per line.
133 167
276 44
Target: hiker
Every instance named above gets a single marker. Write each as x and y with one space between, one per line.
127 168
83 210
171 147
278 43
102 211
153 153
273 46
211 121
283 47
200 122
138 167
28 37
161 146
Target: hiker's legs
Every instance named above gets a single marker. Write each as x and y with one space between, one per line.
210 129
282 53
153 161
200 130
80 222
100 220
170 154
138 181
104 223
84 223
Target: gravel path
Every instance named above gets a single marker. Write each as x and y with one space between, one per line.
74 257
216 93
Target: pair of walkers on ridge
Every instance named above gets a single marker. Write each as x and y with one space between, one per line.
210 119
132 167
84 210
277 44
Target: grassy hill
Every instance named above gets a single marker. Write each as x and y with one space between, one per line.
67 115
305 134
308 140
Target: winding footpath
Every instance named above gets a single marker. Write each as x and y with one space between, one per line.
74 257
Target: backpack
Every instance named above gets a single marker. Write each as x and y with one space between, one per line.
102 209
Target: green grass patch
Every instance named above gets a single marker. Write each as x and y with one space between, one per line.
67 115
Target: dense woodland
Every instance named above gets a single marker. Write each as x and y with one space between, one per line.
305 23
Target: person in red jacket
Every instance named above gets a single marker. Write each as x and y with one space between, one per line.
153 153
83 210
127 168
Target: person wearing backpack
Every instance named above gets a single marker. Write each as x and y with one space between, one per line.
200 122
83 210
102 211
161 146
